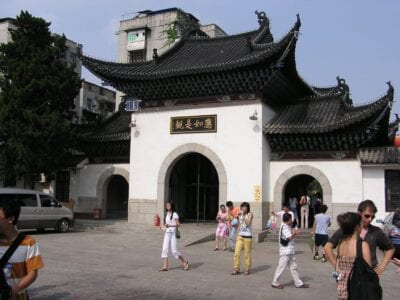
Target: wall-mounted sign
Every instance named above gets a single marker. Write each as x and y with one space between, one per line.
193 124
257 193
132 105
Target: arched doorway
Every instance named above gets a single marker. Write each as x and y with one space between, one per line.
301 185
194 187
117 198
292 172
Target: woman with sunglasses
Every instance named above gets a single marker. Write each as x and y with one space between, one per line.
373 235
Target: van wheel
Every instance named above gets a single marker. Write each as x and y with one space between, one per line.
63 225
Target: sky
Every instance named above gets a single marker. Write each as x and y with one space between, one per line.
356 40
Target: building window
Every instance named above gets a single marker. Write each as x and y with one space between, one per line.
137 55
392 187
89 103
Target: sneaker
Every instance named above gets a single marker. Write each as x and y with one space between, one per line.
316 257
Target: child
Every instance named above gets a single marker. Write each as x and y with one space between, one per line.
320 228
271 224
286 254
21 270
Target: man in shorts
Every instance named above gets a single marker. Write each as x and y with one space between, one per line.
320 229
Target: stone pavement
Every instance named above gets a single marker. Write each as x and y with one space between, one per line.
124 265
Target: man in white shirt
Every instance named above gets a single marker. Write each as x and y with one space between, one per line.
286 254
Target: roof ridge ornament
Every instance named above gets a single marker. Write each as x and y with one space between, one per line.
344 88
263 20
390 92
155 55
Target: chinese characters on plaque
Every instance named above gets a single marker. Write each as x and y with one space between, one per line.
194 124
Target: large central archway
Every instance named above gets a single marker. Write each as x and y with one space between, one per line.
193 186
166 169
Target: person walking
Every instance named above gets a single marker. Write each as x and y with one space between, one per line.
304 210
287 254
222 228
320 228
347 251
20 267
233 213
244 239
293 208
171 223
373 235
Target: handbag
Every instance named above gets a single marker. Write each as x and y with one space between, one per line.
5 289
284 242
177 233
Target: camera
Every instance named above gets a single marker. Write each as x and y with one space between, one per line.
338 276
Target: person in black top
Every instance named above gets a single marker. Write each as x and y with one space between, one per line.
373 235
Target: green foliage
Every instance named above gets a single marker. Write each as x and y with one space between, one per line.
37 91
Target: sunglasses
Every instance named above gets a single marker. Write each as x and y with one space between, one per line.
369 216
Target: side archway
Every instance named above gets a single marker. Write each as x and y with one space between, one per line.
170 161
286 176
102 185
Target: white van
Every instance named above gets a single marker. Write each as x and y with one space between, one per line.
39 210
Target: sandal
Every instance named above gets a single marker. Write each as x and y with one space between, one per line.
236 272
279 287
224 249
186 266
247 272
216 249
163 270
303 286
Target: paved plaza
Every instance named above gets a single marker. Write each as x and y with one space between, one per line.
124 265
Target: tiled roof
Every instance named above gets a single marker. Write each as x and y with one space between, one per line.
322 114
115 128
199 55
194 55
380 156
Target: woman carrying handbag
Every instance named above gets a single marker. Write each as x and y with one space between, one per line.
170 226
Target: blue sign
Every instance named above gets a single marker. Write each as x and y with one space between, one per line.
132 105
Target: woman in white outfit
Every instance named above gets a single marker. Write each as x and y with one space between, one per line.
171 222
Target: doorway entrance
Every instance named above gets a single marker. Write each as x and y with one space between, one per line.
301 185
194 187
117 198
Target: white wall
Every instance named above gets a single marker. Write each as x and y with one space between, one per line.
374 187
84 183
238 143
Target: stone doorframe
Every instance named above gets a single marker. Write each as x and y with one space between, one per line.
102 185
286 176
170 161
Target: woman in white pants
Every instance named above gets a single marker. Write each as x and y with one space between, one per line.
171 222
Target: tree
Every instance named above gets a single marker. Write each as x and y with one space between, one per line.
37 91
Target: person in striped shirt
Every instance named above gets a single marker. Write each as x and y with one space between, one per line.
22 268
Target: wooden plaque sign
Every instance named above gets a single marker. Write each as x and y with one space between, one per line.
193 124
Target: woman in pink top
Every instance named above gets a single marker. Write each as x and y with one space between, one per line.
222 229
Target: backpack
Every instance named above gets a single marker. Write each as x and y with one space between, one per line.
363 282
